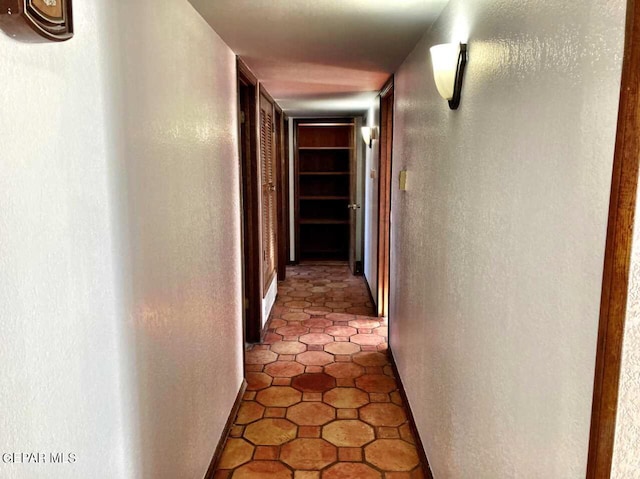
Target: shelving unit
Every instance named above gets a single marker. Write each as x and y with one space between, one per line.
324 151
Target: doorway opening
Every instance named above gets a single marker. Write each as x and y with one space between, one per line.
252 304
326 203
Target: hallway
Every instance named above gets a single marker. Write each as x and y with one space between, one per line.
322 401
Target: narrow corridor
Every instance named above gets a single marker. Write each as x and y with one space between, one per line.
322 401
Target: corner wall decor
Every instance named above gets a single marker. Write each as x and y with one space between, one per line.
37 20
448 61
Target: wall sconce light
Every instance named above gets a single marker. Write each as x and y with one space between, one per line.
369 133
448 61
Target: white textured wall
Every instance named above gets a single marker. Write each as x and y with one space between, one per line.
119 244
371 204
173 82
626 457
59 387
497 246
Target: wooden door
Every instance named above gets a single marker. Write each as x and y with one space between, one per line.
268 191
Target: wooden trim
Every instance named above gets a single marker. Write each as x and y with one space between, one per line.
282 212
267 95
250 194
384 197
287 196
246 71
384 91
622 209
424 461
226 431
296 192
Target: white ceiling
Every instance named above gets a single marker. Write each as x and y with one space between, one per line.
321 56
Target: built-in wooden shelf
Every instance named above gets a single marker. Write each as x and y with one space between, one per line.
324 173
324 166
324 197
325 148
323 222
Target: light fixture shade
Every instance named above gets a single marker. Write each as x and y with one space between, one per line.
369 133
444 59
366 134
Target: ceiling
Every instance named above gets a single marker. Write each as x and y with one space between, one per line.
321 57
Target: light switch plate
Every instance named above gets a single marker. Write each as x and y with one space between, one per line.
403 180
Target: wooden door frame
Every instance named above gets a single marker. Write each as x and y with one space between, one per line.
287 186
385 158
250 199
282 189
615 284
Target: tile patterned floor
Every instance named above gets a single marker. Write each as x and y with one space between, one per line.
322 401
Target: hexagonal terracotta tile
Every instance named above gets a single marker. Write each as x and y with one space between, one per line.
381 331
257 381
296 316
249 411
317 323
260 356
340 331
348 433
392 455
311 413
270 432
383 414
308 454
340 317
297 304
376 383
300 294
370 359
288 347
344 370
366 323
318 338
351 470
314 358
343 347
350 398
359 310
338 304
263 470
279 396
277 323
367 339
284 369
236 452
313 382
292 330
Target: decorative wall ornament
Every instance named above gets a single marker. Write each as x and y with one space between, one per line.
37 20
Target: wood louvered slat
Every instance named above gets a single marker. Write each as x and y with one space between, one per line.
268 177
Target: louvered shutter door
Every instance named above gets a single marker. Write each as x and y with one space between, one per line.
268 179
